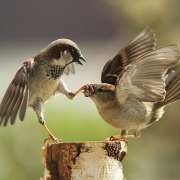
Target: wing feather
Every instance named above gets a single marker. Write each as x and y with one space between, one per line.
24 104
17 104
145 42
15 97
145 78
18 101
6 101
12 103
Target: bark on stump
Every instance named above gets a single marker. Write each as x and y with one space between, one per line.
84 160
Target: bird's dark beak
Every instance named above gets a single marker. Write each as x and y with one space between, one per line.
82 58
76 60
79 60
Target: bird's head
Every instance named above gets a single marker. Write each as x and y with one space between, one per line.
99 93
104 87
62 52
90 90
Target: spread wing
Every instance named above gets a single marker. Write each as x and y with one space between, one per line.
145 42
145 78
16 98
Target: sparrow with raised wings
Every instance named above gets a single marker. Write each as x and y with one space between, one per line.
137 83
38 79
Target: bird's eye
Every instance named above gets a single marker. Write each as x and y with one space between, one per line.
74 54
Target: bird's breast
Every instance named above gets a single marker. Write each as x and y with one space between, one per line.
41 86
131 115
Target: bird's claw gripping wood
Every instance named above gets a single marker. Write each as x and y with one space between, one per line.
51 135
118 138
125 137
49 140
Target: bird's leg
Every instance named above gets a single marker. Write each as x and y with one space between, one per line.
51 135
63 89
137 133
78 91
38 109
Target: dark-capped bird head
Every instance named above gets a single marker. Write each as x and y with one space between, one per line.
103 87
97 89
62 52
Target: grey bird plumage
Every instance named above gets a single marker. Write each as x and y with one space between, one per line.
38 79
137 84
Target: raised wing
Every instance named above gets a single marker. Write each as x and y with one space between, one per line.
16 98
145 42
145 78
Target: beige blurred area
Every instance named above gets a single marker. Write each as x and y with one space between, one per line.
100 28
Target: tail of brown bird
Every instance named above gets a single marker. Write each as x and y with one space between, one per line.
172 87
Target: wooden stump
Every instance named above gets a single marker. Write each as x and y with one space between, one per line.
84 160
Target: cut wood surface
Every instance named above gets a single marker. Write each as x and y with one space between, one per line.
84 160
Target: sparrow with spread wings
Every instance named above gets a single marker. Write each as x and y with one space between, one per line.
137 84
38 79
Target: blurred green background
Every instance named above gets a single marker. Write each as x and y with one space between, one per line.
100 27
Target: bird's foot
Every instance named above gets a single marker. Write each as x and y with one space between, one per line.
119 138
71 95
51 135
52 139
88 90
125 137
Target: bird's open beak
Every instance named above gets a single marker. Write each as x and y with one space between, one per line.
82 58
79 60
